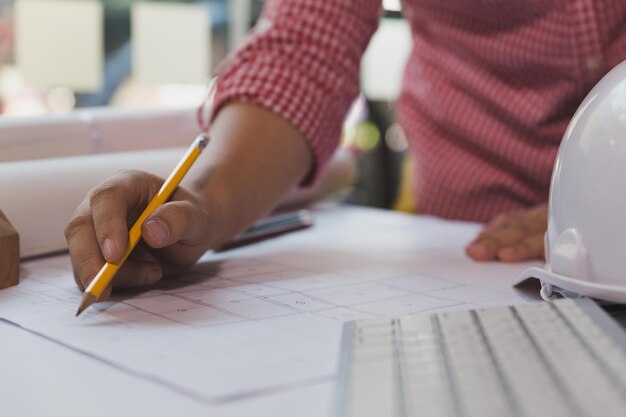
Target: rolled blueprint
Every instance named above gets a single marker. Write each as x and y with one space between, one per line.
94 131
39 196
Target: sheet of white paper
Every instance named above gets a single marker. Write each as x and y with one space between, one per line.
265 320
26 389
69 382
171 42
60 42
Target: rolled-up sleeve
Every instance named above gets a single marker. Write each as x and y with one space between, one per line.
302 63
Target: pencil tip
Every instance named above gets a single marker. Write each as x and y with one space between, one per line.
88 299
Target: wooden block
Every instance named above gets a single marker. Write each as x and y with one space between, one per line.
9 254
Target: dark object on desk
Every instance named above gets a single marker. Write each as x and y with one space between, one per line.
9 254
618 312
271 227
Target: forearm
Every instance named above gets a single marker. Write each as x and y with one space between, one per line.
302 62
254 157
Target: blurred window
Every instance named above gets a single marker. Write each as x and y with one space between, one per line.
133 58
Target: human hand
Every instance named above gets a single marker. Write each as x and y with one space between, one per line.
512 237
174 236
235 181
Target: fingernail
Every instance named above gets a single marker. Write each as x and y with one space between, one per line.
479 247
153 276
509 253
157 229
108 248
480 250
509 249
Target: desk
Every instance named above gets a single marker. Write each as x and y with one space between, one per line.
354 262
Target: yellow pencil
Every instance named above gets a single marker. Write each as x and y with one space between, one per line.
108 271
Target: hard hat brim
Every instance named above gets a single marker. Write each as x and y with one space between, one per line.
613 293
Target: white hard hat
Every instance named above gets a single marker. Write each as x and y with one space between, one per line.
586 239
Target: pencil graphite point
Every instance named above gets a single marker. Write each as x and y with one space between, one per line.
88 299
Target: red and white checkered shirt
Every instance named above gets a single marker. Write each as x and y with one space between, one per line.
488 90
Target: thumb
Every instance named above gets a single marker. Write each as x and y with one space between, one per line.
176 222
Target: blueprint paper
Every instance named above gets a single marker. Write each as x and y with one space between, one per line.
265 320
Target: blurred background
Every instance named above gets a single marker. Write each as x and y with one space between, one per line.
59 56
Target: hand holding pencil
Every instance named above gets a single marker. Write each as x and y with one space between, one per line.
105 203
173 237
253 160
104 277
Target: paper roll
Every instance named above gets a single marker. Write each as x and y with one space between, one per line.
39 196
95 131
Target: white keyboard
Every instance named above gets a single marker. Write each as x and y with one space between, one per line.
564 358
